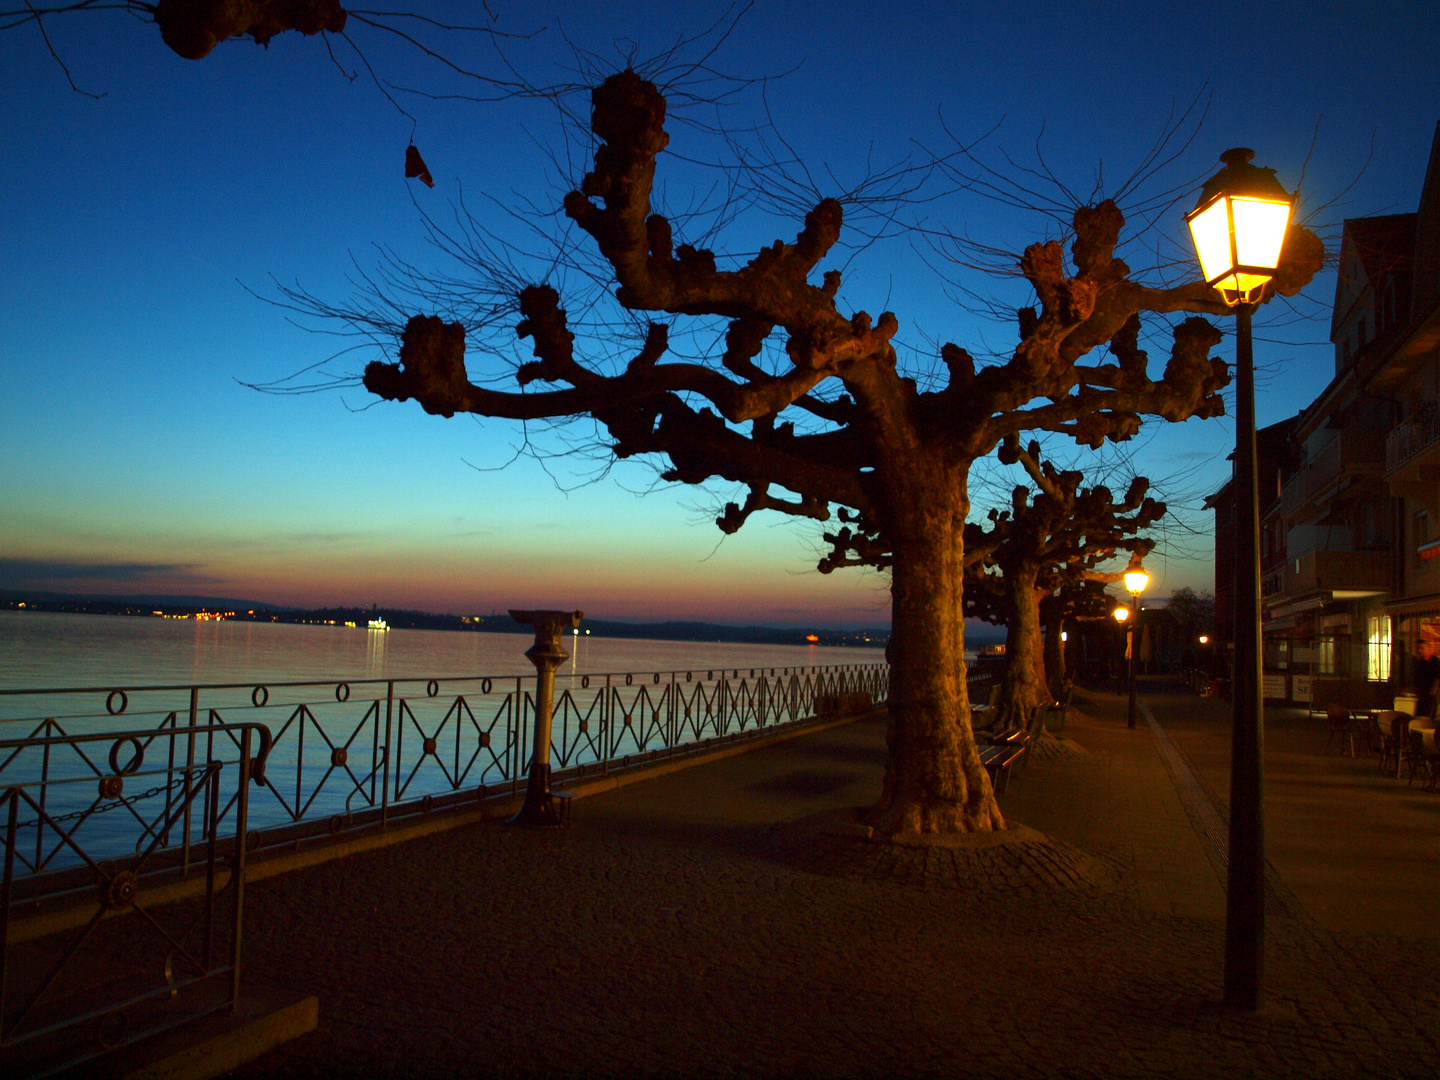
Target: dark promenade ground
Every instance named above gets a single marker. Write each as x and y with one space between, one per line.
680 927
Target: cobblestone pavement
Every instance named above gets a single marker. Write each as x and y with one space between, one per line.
673 930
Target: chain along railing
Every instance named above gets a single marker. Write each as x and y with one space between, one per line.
102 982
355 755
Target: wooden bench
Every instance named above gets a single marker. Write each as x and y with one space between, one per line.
1001 754
1059 709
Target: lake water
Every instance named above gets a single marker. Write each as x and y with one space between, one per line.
48 649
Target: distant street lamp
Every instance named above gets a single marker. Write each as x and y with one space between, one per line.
1135 581
1239 230
1204 639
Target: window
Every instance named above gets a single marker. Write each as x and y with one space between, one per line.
1377 659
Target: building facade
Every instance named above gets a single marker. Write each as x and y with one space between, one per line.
1350 540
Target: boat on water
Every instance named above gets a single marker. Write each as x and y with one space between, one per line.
378 624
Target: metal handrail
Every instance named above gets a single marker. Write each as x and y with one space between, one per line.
363 752
92 985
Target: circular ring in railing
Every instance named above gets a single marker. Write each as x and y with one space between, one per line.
736 674
111 787
710 675
432 688
336 823
627 719
259 696
430 745
134 763
484 686
657 678
484 740
427 803
111 1029
629 679
339 756
342 692
110 702
752 673
584 682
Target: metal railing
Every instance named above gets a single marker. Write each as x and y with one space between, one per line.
105 982
354 755
1411 436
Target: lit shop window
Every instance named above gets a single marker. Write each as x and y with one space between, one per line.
1378 658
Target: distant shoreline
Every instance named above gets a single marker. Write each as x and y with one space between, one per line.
249 611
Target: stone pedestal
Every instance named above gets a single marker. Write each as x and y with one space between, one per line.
547 655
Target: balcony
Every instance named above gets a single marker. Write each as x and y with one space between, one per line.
1363 572
1350 453
1412 437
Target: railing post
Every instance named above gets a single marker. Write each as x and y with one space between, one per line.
189 780
242 821
546 654
11 839
385 777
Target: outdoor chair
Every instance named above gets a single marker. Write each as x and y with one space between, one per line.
1395 740
1342 728
1416 760
1373 727
1406 703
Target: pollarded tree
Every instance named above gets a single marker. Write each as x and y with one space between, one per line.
894 458
1057 535
1082 600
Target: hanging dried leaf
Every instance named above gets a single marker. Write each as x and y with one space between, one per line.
415 167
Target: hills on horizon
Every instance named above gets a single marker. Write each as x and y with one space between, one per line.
146 604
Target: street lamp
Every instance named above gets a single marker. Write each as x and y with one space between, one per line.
1135 581
1239 230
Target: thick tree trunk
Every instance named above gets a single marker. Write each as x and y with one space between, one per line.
1055 672
934 781
1020 690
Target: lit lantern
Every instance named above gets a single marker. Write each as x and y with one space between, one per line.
1121 614
1239 227
1204 639
1136 579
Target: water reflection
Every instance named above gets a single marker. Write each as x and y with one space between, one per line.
40 649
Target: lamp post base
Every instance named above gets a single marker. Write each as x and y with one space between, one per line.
539 809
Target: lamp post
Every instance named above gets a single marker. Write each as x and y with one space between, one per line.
1135 581
1239 230
1122 616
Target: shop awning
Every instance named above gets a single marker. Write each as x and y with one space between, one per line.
1414 605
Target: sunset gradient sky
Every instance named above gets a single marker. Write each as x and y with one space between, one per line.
132 458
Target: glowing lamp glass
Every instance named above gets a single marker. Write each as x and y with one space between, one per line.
1121 614
1239 228
1135 581
1210 229
1204 639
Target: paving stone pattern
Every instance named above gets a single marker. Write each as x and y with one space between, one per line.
674 930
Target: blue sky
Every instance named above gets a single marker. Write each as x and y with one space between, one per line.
135 460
